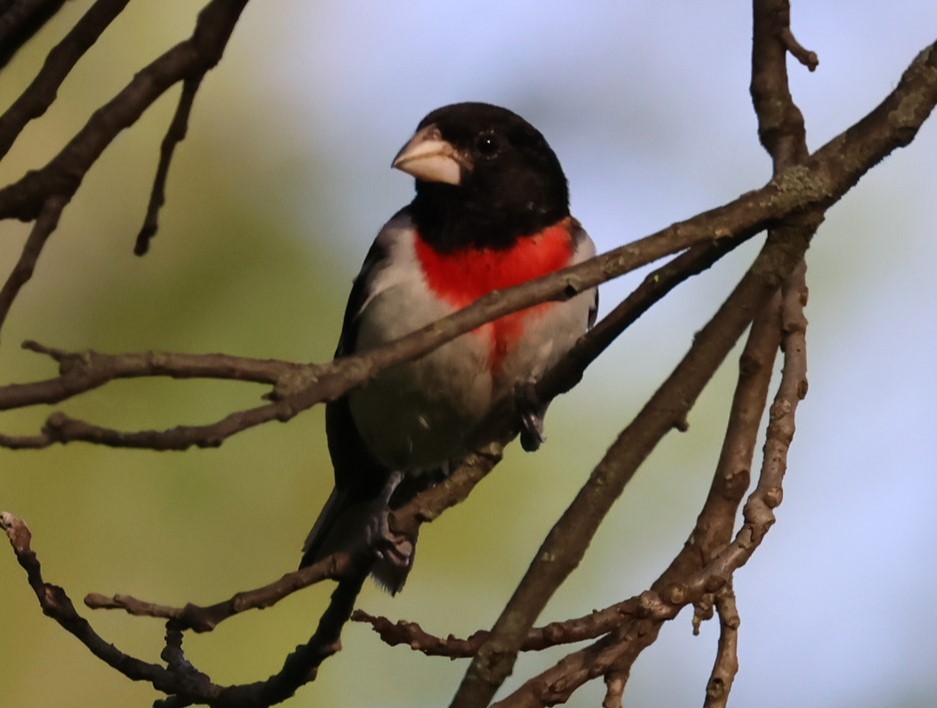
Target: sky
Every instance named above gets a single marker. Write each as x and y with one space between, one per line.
274 199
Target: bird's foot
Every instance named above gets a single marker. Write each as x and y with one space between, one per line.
394 553
531 410
389 547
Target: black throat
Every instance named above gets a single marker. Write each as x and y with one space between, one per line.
449 220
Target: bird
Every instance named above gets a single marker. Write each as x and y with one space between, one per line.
490 211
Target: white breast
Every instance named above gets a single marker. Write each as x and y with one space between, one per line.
417 415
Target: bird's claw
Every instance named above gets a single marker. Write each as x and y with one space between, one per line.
531 411
393 548
387 546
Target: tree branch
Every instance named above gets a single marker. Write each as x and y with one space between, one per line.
823 178
338 566
58 181
43 89
181 681
302 665
25 265
56 604
681 584
174 135
727 658
784 138
20 20
63 174
566 543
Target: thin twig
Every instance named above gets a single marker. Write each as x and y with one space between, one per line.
615 682
181 681
26 264
43 89
174 135
302 665
56 604
63 174
798 51
726 665
413 636
204 618
80 372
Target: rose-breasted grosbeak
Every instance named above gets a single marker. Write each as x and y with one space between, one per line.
491 210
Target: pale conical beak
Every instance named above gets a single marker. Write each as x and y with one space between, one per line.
430 158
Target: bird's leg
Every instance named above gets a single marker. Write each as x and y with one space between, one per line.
531 410
389 547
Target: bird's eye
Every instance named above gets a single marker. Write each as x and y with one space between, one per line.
488 144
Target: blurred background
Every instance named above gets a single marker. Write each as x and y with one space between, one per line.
272 202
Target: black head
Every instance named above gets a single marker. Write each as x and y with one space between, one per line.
484 177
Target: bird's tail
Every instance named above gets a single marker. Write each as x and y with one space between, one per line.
350 524
321 530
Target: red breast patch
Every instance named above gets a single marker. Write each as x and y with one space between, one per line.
461 277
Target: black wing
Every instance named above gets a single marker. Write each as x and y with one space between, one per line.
359 478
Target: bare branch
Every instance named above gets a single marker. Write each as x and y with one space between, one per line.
57 182
615 682
174 135
85 371
20 21
727 658
26 264
798 51
43 89
780 122
300 387
782 134
566 543
200 618
578 629
302 665
716 522
63 174
678 587
181 680
56 604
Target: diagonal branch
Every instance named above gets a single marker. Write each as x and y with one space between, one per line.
181 681
712 532
63 174
56 604
302 665
19 22
727 659
500 425
568 539
43 89
174 135
782 134
681 584
25 265
59 179
716 521
204 618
